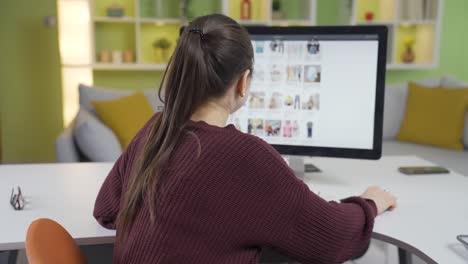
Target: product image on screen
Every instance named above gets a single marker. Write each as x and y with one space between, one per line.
315 90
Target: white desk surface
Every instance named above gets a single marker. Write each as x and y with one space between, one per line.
432 211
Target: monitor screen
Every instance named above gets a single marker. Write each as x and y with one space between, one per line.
315 91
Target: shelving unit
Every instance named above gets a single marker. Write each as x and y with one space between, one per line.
144 21
292 12
136 31
408 21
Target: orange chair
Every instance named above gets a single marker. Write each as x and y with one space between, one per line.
47 242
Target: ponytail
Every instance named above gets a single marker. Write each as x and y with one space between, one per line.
211 54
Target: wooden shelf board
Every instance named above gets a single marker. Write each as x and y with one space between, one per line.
160 20
410 66
387 23
417 22
129 66
291 22
114 19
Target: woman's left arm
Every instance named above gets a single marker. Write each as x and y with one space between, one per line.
107 203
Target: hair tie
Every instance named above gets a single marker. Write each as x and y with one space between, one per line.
198 31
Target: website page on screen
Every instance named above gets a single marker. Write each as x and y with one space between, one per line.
312 92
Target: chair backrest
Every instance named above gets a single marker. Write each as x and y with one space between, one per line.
47 242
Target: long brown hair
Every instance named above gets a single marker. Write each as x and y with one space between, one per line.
211 54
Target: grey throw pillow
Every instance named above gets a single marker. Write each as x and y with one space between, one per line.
394 109
94 139
91 93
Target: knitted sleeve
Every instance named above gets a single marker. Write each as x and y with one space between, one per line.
107 202
318 231
329 232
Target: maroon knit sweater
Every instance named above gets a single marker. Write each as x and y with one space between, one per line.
225 204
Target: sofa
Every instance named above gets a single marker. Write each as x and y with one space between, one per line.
88 139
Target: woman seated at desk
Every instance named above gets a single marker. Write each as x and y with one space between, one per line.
189 189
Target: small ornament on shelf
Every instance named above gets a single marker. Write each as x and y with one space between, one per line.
246 10
408 55
369 16
105 56
161 46
115 10
277 13
117 56
128 56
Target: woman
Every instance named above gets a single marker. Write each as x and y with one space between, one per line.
189 189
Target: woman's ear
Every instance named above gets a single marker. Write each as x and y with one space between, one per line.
243 84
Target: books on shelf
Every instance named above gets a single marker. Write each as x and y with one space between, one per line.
415 10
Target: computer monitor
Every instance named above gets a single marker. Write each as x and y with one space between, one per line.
317 91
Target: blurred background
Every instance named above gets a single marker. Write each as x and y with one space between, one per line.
51 46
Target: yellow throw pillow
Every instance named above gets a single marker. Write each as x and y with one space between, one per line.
434 116
125 116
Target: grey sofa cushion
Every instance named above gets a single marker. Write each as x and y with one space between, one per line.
92 93
395 105
65 148
95 140
394 109
449 81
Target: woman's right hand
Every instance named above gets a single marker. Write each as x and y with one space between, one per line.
382 199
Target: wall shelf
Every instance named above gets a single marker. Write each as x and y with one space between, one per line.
412 24
128 67
146 21
161 21
114 19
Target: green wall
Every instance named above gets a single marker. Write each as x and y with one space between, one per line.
30 86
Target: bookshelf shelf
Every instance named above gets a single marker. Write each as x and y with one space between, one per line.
148 21
273 12
160 21
129 67
114 19
413 25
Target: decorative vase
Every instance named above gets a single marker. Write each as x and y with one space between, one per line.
408 56
246 10
117 56
277 14
161 55
105 56
369 16
115 10
128 56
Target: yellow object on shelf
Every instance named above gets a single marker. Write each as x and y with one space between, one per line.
420 38
375 10
259 11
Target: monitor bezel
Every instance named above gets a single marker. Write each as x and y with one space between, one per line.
381 31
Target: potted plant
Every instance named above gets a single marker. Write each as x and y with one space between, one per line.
408 55
276 7
163 45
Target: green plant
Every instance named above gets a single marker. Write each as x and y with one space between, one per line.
162 43
276 5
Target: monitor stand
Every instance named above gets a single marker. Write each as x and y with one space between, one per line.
296 163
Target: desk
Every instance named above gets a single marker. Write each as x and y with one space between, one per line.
432 210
